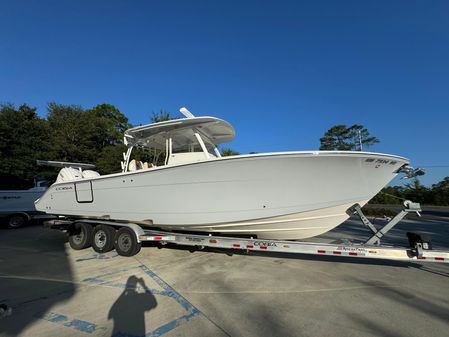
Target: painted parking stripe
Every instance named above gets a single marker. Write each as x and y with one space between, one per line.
96 256
167 291
171 325
170 291
191 311
76 324
100 278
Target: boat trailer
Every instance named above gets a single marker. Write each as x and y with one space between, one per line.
127 238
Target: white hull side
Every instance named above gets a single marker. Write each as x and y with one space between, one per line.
18 200
289 227
231 190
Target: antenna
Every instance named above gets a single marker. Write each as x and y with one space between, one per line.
186 112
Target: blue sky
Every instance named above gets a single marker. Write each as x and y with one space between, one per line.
282 72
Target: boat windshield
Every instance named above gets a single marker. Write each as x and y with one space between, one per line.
182 146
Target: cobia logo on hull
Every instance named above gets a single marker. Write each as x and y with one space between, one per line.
264 244
63 188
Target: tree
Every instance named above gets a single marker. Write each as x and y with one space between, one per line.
23 139
229 152
440 192
110 123
91 136
418 192
343 138
74 133
389 195
108 160
161 116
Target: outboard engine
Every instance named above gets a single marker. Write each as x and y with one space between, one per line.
68 174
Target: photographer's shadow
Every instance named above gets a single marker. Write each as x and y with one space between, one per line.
128 312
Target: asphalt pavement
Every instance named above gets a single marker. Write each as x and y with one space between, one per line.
55 291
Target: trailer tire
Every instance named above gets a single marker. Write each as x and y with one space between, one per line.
80 236
103 238
17 221
125 242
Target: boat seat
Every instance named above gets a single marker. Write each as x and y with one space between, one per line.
147 165
90 174
187 158
135 165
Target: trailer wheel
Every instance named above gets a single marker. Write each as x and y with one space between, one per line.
80 236
103 238
17 221
125 242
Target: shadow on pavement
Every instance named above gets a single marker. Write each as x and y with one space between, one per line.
35 275
128 311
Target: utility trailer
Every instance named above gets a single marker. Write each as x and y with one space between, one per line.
127 238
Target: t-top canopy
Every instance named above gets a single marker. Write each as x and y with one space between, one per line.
214 129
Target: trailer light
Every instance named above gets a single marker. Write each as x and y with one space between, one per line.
213 241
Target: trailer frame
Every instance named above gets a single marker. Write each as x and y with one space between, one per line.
420 249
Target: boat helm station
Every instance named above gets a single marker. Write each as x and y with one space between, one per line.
175 142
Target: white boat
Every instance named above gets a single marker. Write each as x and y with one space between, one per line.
188 186
21 200
17 206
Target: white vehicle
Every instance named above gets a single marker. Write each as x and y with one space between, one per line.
284 195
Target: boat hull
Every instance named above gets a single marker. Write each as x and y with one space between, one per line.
18 200
287 227
290 195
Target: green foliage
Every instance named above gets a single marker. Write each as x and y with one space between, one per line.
110 124
389 196
69 133
161 116
229 152
438 194
90 136
108 160
23 139
343 138
73 133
